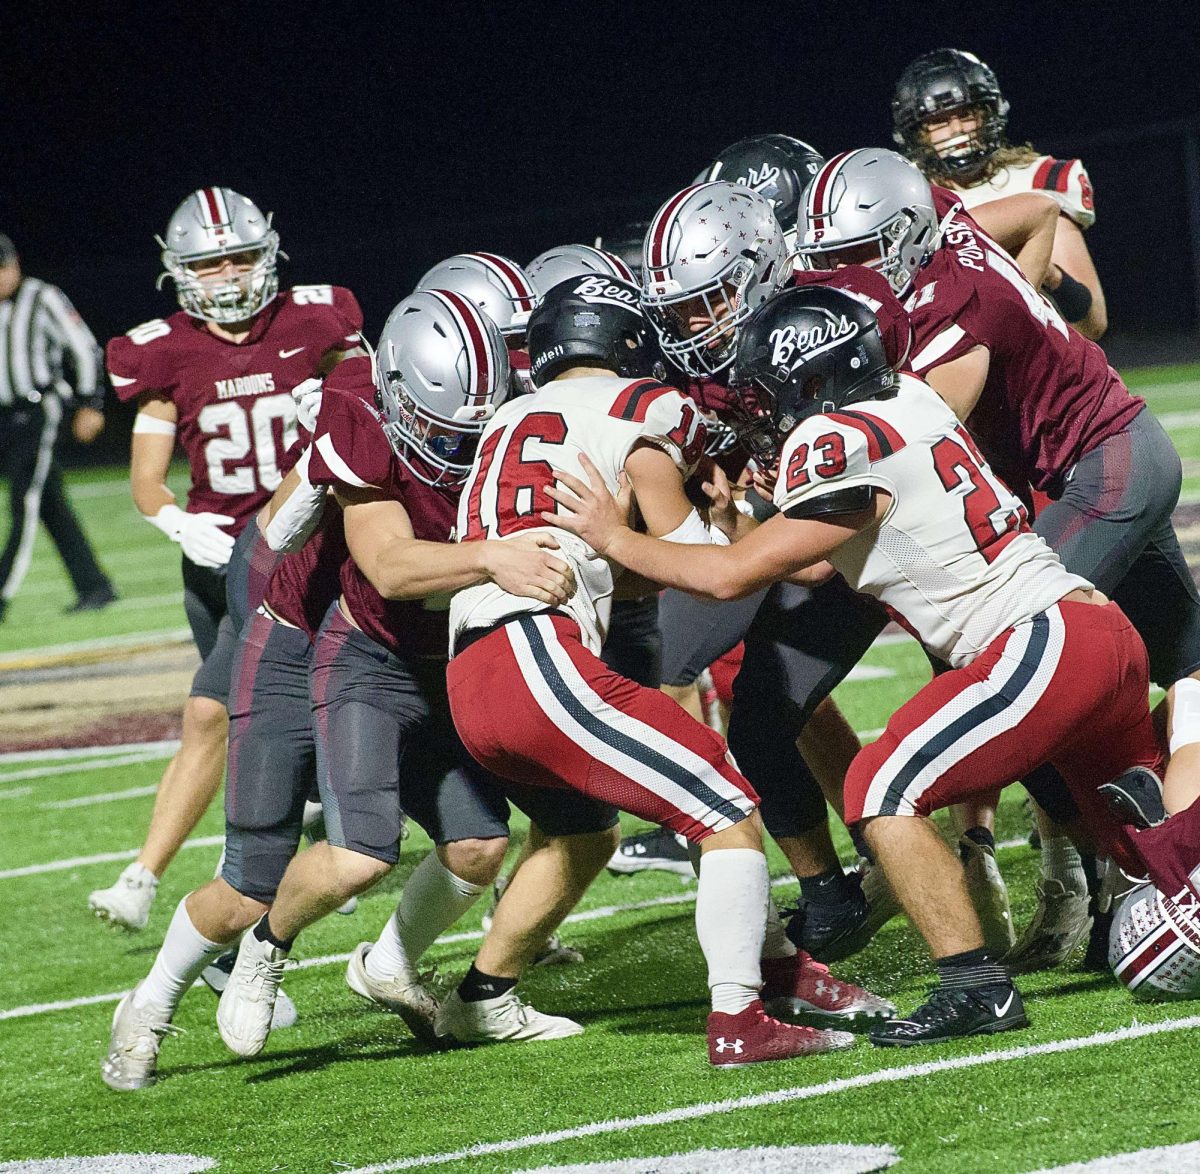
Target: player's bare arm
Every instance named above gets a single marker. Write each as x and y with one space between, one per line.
1024 225
1071 257
773 551
150 455
960 382
401 566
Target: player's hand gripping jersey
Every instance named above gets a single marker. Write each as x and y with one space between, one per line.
1050 395
1064 180
236 417
603 416
956 577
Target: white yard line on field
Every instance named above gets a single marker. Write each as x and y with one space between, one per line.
99 858
70 768
108 797
785 1095
1171 420
166 747
15 792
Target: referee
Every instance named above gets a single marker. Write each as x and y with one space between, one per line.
39 328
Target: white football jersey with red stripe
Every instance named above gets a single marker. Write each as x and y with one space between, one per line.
603 416
1063 180
954 559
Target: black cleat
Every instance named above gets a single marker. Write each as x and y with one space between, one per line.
832 932
1135 797
659 850
1096 957
955 1013
94 600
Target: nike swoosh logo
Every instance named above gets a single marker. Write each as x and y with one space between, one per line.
1000 1011
120 380
288 354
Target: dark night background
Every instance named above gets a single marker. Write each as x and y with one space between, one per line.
385 137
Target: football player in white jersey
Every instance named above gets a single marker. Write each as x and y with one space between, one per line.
534 703
949 117
880 481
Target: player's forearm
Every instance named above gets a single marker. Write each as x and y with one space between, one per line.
289 519
714 571
409 568
150 494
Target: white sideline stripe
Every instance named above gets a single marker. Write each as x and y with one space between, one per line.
130 639
16 792
167 747
108 797
62 1005
70 768
1171 420
786 1095
99 858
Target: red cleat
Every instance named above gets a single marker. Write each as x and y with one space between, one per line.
803 987
753 1037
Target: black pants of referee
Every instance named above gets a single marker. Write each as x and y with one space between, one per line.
35 490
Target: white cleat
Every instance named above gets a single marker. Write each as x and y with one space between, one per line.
248 1001
1060 923
215 976
501 1020
989 895
402 994
127 903
137 1034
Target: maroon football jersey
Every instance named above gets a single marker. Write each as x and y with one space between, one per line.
1050 396
236 416
304 584
350 450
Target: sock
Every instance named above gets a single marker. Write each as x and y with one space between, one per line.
1061 861
827 888
981 836
860 844
776 943
262 931
1091 872
731 908
432 901
477 986
183 954
971 968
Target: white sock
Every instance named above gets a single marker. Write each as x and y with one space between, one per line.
776 944
432 901
1060 860
731 908
183 954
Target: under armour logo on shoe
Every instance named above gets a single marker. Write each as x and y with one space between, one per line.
724 1045
832 990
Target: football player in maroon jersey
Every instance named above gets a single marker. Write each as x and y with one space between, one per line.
949 116
1043 403
217 376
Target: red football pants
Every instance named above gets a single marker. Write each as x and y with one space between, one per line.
533 705
1068 687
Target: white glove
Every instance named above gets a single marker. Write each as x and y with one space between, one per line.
308 402
199 535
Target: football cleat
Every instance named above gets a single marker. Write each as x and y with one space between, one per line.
989 895
137 1034
955 1013
127 903
833 932
215 976
247 1003
504 1019
753 1037
1135 797
800 987
1060 922
660 850
402 994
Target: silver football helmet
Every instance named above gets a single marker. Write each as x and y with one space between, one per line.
868 207
441 370
713 253
1154 943
212 224
547 269
498 286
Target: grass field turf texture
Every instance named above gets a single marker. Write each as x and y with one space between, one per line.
346 1087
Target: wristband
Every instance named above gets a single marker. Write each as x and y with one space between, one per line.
1073 298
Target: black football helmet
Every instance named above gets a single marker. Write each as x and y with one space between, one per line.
935 84
778 167
810 349
592 320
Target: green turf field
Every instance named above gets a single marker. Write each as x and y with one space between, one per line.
347 1088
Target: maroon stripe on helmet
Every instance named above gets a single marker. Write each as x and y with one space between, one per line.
659 232
522 290
477 337
214 211
620 269
1148 954
821 185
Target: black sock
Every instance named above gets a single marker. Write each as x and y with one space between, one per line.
971 968
1088 860
827 888
262 931
981 836
477 986
860 843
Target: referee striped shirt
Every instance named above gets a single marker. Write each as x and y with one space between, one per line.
38 329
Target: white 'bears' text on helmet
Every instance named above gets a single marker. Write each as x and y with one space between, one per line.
868 207
441 371
498 286
1154 943
713 253
211 227
562 263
